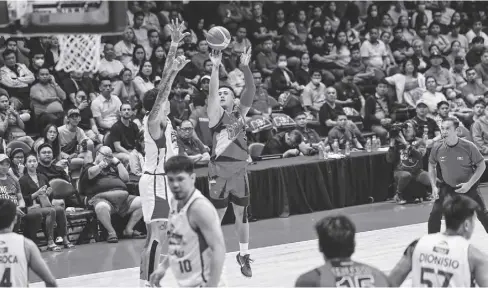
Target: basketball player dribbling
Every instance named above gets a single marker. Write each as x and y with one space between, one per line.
446 259
228 180
18 254
196 245
337 243
160 143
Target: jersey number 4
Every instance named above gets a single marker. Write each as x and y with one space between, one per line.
185 266
5 281
355 281
428 276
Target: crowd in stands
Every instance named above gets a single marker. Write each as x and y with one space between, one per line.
335 70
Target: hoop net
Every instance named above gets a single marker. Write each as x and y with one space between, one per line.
80 52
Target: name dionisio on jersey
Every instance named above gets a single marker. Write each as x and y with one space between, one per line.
439 260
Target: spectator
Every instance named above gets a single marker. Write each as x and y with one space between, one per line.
282 79
331 15
138 57
473 90
75 83
409 85
109 66
11 44
431 97
124 135
136 166
313 96
240 43
303 73
158 59
343 133
145 79
374 52
103 183
458 73
47 100
105 108
17 163
87 122
436 38
474 55
420 58
53 53
442 76
292 46
125 88
50 136
190 146
481 68
124 49
330 110
406 153
37 195
397 11
443 113
455 35
266 59
261 102
401 49
231 15
73 141
11 123
150 19
373 17
302 25
309 136
203 54
425 127
476 31
378 111
479 128
286 144
140 31
179 106
256 24
322 59
407 33
16 78
349 94
235 79
362 76
153 42
37 61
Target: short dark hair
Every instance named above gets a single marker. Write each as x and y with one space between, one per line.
480 101
442 103
457 209
7 212
336 236
178 164
383 82
8 52
477 40
397 28
454 120
139 13
314 71
149 99
103 79
11 39
125 103
42 146
340 114
151 31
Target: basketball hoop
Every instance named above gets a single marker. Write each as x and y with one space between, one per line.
79 52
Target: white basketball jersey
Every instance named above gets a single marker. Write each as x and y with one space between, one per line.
189 253
13 261
156 154
441 261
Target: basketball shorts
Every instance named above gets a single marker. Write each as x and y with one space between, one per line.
155 193
234 188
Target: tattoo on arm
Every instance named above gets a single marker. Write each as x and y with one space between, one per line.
161 99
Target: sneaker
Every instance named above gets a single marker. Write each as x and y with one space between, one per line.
244 261
428 198
399 199
418 200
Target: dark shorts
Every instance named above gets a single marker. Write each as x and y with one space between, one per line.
234 189
120 206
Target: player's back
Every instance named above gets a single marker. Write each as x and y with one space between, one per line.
13 261
343 273
440 260
157 152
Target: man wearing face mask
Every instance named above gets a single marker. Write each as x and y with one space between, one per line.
37 61
190 146
314 95
283 79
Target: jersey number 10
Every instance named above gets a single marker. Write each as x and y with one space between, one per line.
185 266
429 274
5 280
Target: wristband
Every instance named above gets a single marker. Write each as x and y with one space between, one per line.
174 44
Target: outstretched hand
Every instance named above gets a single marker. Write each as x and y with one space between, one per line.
245 57
176 30
216 57
179 63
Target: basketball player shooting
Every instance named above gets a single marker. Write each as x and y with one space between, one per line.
160 144
446 259
196 245
18 253
228 180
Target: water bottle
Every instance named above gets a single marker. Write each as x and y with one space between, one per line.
336 146
374 143
379 144
368 146
327 150
321 150
347 148
425 133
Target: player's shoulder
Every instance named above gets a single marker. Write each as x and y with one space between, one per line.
476 256
380 279
309 279
410 248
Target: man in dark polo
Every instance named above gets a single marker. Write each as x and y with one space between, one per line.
190 146
461 166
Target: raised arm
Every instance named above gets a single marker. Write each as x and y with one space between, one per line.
249 90
214 109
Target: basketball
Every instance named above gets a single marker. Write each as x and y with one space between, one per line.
218 38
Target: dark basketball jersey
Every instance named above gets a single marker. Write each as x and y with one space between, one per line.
343 273
229 145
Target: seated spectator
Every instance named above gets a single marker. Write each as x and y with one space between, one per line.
124 49
406 153
303 73
11 44
401 49
455 35
443 112
138 57
481 68
313 96
266 59
235 79
476 31
200 122
124 135
47 99
435 37
150 19
191 146
11 123
158 59
410 84
348 94
17 163
203 54
190 72
479 128
422 60
16 78
322 59
362 75
240 43
458 74
342 52
140 31
47 165
53 53
106 107
391 67
261 101
103 183
73 141
37 60
378 111
38 196
474 90
109 66
125 88
153 42
136 166
292 45
374 52
145 79
454 53
473 56
310 136
442 76
330 109
50 136
282 79
87 122
75 83
431 97
344 133
425 127
287 144
179 106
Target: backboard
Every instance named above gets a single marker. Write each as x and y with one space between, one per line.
40 17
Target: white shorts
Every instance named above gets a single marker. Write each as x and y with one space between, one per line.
155 197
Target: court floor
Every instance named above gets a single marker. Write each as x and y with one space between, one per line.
282 249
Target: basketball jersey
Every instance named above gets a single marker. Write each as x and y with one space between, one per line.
439 260
189 253
348 273
13 261
156 154
229 144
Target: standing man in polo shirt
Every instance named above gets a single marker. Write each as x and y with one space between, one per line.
461 166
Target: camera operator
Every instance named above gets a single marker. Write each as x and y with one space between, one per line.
406 152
